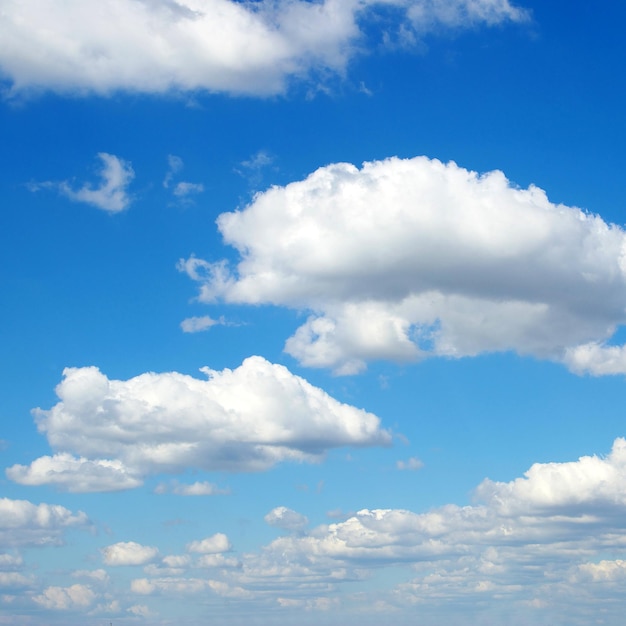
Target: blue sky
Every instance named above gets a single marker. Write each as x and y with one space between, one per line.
312 311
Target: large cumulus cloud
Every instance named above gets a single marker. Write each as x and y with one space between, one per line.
409 258
246 419
218 45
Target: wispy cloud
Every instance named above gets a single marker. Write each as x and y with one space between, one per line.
200 488
200 324
225 46
110 195
413 463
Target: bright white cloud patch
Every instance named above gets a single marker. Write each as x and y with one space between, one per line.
246 419
111 195
287 519
211 545
25 523
412 463
217 45
128 553
531 542
409 258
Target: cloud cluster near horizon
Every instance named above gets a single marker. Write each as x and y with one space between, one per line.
109 434
216 45
405 259
529 542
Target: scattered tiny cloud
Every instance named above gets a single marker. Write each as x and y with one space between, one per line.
413 463
111 195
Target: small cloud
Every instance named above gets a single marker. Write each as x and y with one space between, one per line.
215 544
199 324
128 553
195 489
184 189
411 464
287 519
116 174
252 168
258 161
64 598
175 165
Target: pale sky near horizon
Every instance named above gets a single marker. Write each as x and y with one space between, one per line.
312 311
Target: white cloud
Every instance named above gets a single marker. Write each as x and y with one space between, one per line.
140 610
530 543
199 488
111 195
406 259
128 553
199 324
10 580
64 598
413 463
287 519
219 46
75 474
211 545
25 523
246 419
10 561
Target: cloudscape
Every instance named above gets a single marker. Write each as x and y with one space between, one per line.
313 311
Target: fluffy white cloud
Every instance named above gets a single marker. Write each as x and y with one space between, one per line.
287 519
75 474
112 194
64 598
217 45
128 553
25 523
409 258
246 419
184 189
211 545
